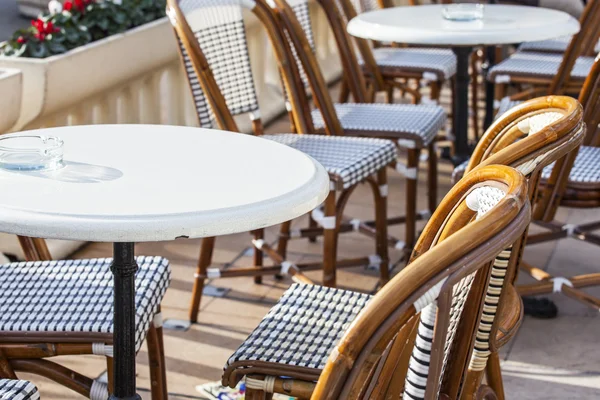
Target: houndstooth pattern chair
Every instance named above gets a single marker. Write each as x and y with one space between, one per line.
558 45
55 300
413 127
303 333
219 41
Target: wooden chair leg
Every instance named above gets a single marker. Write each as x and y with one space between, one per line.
432 178
494 375
344 92
206 250
412 168
389 94
258 254
435 87
381 226
330 237
110 374
156 361
6 371
284 234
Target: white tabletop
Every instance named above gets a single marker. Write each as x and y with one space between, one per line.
501 24
132 183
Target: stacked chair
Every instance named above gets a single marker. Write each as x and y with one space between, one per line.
548 128
327 343
213 49
54 308
545 73
13 389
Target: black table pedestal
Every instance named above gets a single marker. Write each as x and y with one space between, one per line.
124 268
462 150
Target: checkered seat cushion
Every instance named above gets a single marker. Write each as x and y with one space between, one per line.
558 45
301 330
417 123
349 159
585 173
13 389
435 64
76 295
537 65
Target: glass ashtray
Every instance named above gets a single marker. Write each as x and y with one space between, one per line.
31 152
463 12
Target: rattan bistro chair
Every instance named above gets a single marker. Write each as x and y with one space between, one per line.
325 343
529 138
387 68
220 77
54 308
412 127
14 389
549 73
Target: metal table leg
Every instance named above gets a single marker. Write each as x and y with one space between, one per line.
489 87
124 268
461 104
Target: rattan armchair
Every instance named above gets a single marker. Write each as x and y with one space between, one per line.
325 343
413 127
52 308
214 50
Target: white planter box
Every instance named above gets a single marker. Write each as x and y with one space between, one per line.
56 83
11 81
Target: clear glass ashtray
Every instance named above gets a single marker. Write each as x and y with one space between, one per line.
31 152
463 12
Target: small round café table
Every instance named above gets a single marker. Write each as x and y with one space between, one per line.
137 183
425 25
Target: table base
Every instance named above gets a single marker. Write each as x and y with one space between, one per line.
124 268
462 150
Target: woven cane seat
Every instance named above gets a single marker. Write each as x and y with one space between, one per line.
13 389
558 45
417 123
585 173
538 65
300 331
75 296
435 63
350 159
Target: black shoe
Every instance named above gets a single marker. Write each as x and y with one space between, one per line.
539 307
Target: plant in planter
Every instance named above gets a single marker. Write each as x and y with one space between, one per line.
75 23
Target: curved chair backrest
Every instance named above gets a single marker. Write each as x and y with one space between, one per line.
483 214
214 49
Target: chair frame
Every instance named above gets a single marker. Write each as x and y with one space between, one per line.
557 191
562 82
498 147
29 353
334 204
290 25
372 356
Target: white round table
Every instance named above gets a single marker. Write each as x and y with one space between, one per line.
501 24
132 183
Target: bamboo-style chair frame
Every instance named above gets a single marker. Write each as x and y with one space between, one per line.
372 357
582 44
559 190
334 204
29 353
292 29
503 144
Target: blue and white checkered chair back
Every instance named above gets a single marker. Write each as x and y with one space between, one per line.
481 200
219 27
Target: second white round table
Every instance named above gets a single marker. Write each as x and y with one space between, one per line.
425 25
